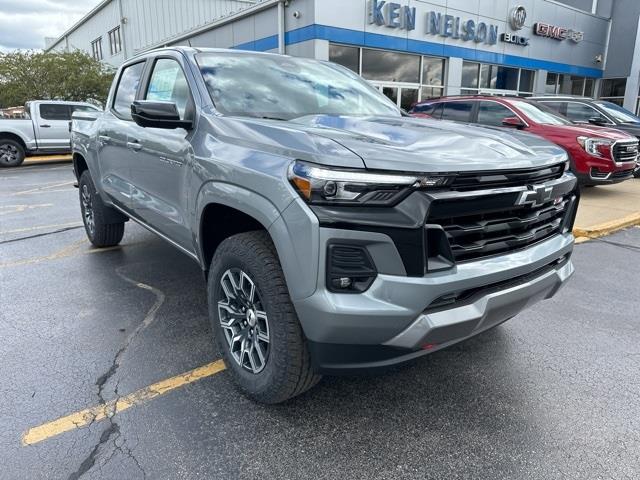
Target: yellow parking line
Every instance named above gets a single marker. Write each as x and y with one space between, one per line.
107 410
68 251
7 209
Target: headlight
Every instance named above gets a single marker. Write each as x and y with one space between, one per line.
318 184
598 147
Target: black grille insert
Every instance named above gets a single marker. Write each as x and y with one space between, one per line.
475 231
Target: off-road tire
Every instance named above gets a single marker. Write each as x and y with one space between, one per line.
101 234
287 371
15 153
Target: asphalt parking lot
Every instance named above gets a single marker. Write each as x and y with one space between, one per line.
554 393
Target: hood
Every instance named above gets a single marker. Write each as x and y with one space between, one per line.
427 145
587 131
630 128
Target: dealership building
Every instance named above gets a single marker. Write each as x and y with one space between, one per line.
409 49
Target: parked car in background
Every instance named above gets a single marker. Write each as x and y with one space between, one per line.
598 155
335 233
44 130
595 112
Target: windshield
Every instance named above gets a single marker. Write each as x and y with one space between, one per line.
622 115
285 87
540 113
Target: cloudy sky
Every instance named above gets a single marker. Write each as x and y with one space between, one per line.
25 23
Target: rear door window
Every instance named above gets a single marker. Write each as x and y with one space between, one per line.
457 111
53 111
127 88
493 113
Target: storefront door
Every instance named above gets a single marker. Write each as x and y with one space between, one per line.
403 96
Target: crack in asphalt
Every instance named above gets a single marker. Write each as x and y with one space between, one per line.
633 248
29 237
113 430
90 461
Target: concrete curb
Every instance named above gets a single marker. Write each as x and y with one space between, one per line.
44 160
583 234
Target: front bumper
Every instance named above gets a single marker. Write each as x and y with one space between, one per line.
391 322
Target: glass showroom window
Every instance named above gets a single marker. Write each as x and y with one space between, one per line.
484 77
612 89
346 56
403 77
432 77
560 84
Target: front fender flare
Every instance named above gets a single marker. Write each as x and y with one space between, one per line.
301 282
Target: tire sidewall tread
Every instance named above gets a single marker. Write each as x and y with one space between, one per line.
21 151
104 234
288 371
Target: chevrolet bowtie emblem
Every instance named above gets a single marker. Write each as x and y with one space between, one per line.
536 195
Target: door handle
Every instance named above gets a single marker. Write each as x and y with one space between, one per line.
45 126
104 138
135 146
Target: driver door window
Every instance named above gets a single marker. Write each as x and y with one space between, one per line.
493 113
168 84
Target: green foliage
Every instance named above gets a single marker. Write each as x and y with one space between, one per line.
72 76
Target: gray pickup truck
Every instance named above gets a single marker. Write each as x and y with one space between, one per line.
45 129
335 233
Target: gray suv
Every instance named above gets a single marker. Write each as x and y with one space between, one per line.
335 233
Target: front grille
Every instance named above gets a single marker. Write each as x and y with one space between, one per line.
622 174
509 178
478 229
625 151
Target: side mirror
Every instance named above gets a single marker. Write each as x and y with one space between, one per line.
597 121
155 114
513 122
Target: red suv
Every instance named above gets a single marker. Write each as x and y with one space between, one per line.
598 155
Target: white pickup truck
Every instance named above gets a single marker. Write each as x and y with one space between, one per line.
45 129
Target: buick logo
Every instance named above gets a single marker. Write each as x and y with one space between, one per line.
517 17
536 195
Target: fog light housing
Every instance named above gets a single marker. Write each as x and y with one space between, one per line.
350 268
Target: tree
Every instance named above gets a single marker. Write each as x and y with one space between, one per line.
72 76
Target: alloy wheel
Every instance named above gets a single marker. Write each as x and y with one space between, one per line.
244 321
8 153
87 209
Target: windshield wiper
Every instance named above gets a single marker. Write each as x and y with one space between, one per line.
267 117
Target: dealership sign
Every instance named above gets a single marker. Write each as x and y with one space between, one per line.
557 33
394 15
